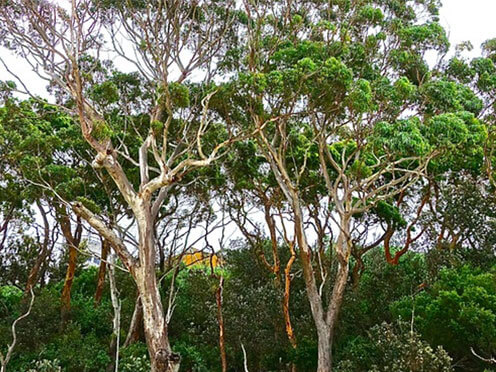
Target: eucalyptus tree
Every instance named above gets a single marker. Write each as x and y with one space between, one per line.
45 157
253 196
339 94
27 139
462 217
258 207
16 195
174 46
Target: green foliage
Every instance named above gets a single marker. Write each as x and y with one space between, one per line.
46 366
394 349
40 143
157 126
405 88
78 352
179 95
380 284
466 204
447 130
196 357
252 314
429 35
101 131
389 213
134 358
444 95
402 138
9 297
135 364
458 312
348 78
360 96
105 93
90 204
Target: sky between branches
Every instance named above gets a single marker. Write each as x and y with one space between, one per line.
464 20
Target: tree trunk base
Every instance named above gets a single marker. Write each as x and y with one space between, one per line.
166 362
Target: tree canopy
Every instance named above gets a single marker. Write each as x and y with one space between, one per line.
262 185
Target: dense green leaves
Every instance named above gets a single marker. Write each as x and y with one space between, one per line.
390 348
458 311
327 111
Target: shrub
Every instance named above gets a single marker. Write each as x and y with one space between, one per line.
394 349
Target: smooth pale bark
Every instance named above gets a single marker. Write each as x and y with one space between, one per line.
314 298
116 323
324 323
343 250
4 359
144 273
161 356
324 351
58 43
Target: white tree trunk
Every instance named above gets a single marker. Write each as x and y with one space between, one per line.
161 356
116 305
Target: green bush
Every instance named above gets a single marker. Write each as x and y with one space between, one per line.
135 364
46 366
78 352
457 312
394 349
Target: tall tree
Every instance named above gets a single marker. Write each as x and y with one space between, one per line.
340 95
253 196
170 122
46 157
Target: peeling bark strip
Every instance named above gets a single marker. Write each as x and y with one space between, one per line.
69 278
72 241
287 292
101 273
273 239
325 320
257 242
34 272
134 332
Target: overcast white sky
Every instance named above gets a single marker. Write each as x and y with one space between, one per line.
464 20
469 20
